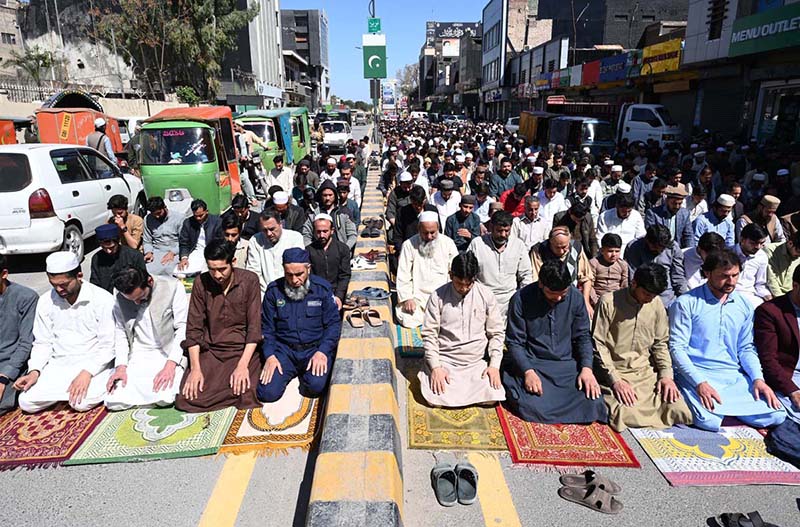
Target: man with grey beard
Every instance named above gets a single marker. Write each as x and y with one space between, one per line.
300 324
423 267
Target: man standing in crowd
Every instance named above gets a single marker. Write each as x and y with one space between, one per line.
265 249
330 258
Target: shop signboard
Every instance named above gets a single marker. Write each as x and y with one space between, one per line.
575 75
591 73
774 29
613 68
662 57
564 78
555 79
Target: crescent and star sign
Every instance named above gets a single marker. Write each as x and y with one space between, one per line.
376 58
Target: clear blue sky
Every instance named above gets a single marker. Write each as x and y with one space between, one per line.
403 23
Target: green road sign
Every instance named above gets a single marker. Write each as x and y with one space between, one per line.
374 25
374 62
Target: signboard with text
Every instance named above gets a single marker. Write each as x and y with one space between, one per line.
613 68
774 29
374 25
661 57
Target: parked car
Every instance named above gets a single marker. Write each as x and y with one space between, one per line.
53 197
512 125
336 134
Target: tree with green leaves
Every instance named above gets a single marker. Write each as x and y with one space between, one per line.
32 62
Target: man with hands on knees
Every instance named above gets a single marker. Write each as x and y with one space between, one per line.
547 371
300 324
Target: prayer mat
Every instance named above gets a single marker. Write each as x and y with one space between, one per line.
594 445
187 284
468 428
146 434
44 439
291 422
736 455
408 342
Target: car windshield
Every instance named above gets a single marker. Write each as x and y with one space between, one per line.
333 128
666 117
597 132
15 172
265 130
177 146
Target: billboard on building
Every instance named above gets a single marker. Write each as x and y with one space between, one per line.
769 30
661 57
450 47
575 75
388 95
564 78
613 68
591 73
448 30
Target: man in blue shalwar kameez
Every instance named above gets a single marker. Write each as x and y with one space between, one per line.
715 361
547 371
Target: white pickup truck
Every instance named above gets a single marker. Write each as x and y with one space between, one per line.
641 122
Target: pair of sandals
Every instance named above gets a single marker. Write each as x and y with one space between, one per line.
455 484
358 316
359 263
374 228
735 519
591 490
372 293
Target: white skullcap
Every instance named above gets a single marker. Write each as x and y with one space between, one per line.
623 187
280 198
726 200
538 170
527 151
694 145
491 142
97 124
616 168
406 176
608 162
323 216
62 262
393 149
460 159
586 150
730 143
531 158
721 149
331 161
429 216
490 147
745 148
700 153
758 176
783 172
468 155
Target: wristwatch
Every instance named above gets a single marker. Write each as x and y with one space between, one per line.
124 229
4 380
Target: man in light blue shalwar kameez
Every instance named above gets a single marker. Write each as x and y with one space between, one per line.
715 361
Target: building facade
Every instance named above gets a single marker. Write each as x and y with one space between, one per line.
305 32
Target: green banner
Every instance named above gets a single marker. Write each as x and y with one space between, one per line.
774 29
374 62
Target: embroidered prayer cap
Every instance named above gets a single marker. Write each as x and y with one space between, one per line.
770 201
623 188
295 255
468 199
107 231
62 262
429 216
446 184
406 177
538 170
677 191
280 198
616 168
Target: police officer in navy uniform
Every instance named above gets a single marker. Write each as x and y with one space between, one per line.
300 323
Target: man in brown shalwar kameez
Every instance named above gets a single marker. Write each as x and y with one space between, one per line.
632 360
222 332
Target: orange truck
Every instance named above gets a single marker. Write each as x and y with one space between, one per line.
72 126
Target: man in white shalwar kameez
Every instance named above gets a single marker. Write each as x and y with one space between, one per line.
73 342
462 320
423 266
149 326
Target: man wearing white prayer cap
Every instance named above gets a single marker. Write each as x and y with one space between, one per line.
73 341
717 220
423 267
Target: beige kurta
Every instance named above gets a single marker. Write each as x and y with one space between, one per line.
632 344
457 332
418 277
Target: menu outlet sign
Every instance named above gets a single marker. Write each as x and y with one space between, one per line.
774 29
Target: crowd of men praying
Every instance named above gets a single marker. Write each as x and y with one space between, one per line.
641 287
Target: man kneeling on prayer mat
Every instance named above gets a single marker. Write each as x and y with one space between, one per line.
711 342
222 332
631 338
73 341
462 320
423 267
301 327
547 371
149 326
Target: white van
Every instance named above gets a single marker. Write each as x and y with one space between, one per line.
419 115
641 122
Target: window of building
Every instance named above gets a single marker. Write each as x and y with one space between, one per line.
8 38
717 10
300 37
621 18
649 18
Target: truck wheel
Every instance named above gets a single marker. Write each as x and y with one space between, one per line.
73 241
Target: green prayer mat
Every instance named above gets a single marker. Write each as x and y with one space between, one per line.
146 434
408 342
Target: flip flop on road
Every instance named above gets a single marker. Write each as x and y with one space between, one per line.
372 317
467 488
373 293
736 519
592 497
356 318
590 477
443 480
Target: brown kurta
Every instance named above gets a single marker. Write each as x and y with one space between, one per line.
222 325
632 344
607 278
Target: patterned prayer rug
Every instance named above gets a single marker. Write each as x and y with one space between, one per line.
291 422
45 439
145 434
187 284
594 445
469 428
736 455
408 342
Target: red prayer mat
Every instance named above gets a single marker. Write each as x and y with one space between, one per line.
594 445
45 439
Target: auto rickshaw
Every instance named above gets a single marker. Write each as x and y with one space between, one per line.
190 153
301 138
72 126
274 128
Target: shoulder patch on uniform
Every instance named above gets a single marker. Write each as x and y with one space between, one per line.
281 302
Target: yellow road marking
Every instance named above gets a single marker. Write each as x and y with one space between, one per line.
226 498
495 498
